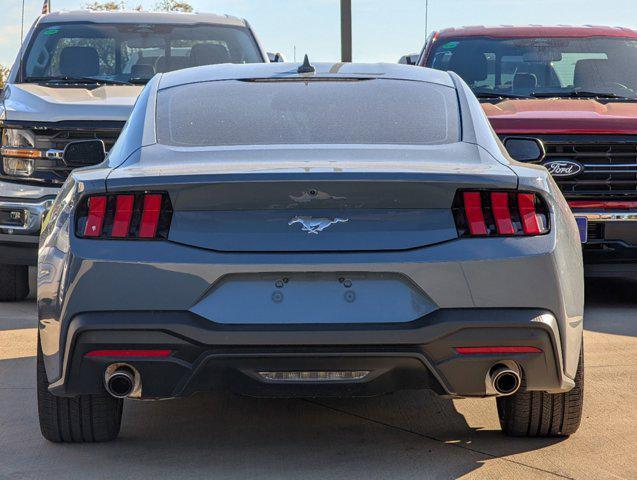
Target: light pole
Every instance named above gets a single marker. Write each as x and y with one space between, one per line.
346 30
22 25
426 18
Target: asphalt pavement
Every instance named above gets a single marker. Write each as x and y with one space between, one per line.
401 436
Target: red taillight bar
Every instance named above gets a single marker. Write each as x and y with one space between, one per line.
526 204
95 218
124 216
495 350
150 216
473 210
129 353
500 213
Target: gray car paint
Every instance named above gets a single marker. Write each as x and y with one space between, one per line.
76 275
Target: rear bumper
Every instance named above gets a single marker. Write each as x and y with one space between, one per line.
22 209
213 357
611 250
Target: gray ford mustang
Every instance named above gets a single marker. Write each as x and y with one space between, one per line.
328 230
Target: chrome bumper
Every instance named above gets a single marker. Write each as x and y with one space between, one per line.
606 216
23 217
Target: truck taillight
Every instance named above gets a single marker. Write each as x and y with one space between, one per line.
124 216
480 213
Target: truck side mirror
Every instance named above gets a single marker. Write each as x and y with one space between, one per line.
276 57
525 149
410 59
84 153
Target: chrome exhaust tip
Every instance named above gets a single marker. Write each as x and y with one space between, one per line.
120 382
505 380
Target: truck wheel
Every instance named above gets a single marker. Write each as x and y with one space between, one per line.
85 418
541 414
14 283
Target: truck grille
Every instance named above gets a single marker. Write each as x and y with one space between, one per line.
610 164
56 136
595 231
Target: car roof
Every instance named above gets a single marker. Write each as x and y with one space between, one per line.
534 31
143 17
274 71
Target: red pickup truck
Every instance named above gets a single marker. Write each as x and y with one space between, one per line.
566 98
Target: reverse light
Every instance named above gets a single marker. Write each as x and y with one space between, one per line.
124 216
495 350
314 376
500 213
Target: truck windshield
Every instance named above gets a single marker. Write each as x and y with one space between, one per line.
323 111
131 53
604 67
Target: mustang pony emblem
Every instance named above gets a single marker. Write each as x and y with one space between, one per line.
316 225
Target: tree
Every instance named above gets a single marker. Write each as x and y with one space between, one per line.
4 74
108 5
173 6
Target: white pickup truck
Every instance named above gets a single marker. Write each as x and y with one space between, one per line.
76 78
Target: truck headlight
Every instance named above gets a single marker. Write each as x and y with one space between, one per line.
18 152
22 167
18 137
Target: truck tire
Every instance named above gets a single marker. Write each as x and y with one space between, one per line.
541 414
14 283
85 418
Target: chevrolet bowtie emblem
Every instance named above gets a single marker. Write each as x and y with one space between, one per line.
316 225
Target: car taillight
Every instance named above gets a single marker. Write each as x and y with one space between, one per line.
480 213
124 216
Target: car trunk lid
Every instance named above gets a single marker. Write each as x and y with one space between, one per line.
323 199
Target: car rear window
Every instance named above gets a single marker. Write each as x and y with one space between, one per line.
368 111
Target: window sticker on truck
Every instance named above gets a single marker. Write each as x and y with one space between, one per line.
582 226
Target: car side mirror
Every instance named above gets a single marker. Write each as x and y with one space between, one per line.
276 57
525 149
410 59
84 153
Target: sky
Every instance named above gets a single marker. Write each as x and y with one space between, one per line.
383 30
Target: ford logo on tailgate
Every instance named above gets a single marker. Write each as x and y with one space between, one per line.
563 168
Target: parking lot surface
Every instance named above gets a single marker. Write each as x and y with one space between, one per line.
401 436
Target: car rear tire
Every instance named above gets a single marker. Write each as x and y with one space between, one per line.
541 414
14 283
85 418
